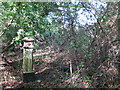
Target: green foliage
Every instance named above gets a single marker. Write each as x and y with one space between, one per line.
38 81
29 16
82 64
102 20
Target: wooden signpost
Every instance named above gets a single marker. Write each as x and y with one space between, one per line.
28 72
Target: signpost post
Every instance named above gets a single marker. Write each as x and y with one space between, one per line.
28 72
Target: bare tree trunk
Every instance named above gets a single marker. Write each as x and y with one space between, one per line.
118 24
73 51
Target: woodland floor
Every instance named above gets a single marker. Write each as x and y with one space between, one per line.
45 66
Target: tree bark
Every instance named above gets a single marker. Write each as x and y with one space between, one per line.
118 36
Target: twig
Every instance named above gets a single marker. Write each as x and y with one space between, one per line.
5 59
95 17
7 48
